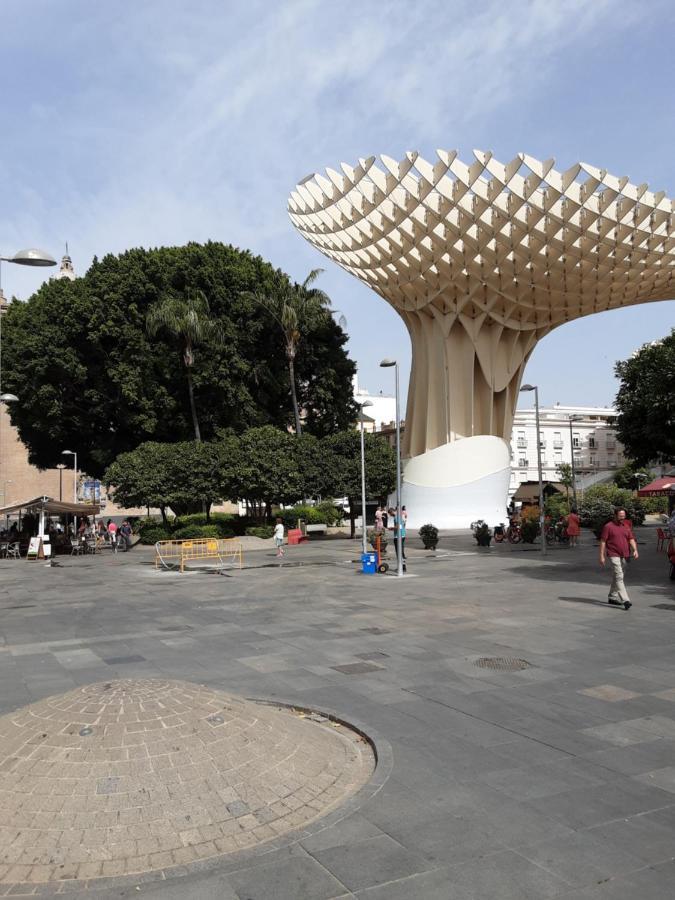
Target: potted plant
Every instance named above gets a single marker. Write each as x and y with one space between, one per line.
482 533
429 535
373 534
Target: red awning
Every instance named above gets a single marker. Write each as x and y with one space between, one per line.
660 487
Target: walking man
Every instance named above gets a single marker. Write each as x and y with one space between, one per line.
616 543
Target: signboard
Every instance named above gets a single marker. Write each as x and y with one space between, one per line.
91 491
35 550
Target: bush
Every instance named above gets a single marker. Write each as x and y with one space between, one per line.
195 532
556 506
151 532
600 501
260 531
530 528
429 535
322 514
221 521
654 504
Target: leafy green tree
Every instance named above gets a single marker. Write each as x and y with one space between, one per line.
341 457
632 477
89 376
187 319
184 476
294 307
271 469
646 402
566 478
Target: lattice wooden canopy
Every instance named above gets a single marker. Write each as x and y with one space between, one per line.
488 255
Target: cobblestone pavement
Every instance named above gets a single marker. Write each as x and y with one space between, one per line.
129 775
551 777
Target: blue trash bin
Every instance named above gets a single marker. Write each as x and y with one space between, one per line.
369 563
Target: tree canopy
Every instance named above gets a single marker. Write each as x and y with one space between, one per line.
263 466
646 402
88 374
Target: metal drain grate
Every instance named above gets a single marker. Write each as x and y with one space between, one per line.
502 663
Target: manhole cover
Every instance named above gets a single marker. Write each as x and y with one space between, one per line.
502 663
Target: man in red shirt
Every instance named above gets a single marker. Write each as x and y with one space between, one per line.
616 543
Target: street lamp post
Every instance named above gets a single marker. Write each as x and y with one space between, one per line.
572 419
61 467
386 364
73 453
533 387
363 475
30 257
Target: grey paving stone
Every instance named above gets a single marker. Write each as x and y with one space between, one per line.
293 879
370 862
583 859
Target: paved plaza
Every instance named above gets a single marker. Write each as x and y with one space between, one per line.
524 730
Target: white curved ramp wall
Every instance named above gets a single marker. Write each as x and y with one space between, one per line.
455 484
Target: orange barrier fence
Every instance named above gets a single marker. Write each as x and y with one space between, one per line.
176 553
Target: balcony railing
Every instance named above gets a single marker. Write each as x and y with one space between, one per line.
557 445
522 442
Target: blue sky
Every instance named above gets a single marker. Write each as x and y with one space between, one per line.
158 122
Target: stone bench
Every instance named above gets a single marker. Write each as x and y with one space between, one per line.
316 529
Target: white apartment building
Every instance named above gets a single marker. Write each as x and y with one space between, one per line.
591 437
382 410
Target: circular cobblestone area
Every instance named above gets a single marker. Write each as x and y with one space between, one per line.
135 775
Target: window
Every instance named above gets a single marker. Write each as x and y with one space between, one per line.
576 440
557 440
521 439
542 439
591 441
523 462
593 461
558 459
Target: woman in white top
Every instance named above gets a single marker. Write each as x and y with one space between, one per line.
279 536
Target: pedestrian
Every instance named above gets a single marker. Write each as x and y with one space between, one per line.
379 518
616 543
573 526
125 534
385 516
279 536
112 534
400 529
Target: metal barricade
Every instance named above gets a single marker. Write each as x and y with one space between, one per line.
172 554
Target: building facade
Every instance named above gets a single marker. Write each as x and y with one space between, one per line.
591 439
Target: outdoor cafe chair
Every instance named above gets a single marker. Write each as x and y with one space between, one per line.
13 551
3 548
661 538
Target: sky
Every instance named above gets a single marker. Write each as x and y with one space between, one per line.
157 122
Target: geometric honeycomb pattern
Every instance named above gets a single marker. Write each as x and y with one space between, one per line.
483 260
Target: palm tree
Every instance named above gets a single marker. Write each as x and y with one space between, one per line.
187 319
293 307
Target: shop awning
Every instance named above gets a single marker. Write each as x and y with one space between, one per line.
528 491
51 507
660 487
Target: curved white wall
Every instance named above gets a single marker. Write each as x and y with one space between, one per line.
455 484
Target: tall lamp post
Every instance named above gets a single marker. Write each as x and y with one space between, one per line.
386 364
534 387
29 257
61 467
73 453
572 419
363 475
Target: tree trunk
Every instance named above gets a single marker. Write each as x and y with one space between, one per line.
352 518
193 408
294 396
165 521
